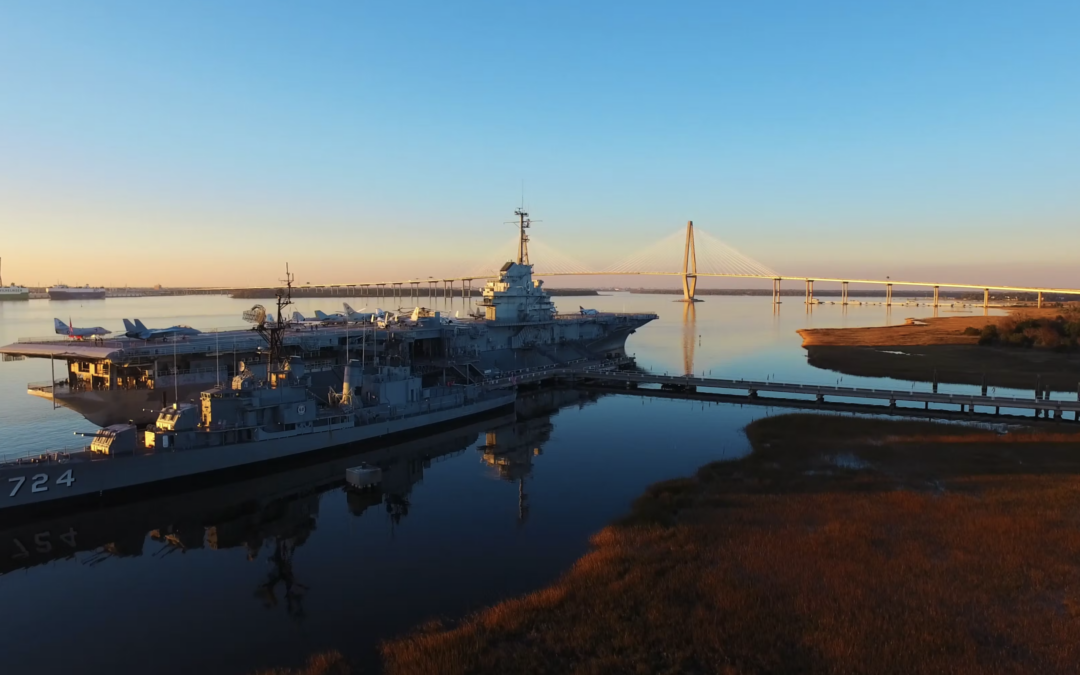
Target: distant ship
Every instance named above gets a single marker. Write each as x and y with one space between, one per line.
13 292
62 292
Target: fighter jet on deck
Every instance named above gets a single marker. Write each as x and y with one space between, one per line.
300 319
587 312
362 316
141 332
330 318
77 333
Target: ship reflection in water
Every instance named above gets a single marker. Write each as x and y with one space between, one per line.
510 451
271 517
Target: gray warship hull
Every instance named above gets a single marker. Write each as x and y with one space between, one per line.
223 510
36 484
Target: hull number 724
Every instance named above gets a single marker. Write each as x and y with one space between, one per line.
39 482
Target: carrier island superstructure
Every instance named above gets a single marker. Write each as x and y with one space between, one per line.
115 381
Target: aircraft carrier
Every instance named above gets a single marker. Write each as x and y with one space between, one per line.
127 379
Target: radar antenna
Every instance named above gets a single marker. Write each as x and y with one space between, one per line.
523 224
273 334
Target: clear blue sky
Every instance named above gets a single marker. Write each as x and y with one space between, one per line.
145 142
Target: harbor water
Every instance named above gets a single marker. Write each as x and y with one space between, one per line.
264 572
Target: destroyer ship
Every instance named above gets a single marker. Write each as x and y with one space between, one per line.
116 381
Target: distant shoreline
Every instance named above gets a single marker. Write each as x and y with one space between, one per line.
938 350
836 293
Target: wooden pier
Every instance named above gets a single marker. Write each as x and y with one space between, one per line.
888 398
608 377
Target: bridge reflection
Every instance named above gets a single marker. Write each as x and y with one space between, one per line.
689 336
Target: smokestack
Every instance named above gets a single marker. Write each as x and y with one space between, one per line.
354 377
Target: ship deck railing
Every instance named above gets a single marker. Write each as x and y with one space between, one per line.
579 315
63 386
63 340
47 385
60 456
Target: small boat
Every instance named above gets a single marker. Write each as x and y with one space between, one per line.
363 477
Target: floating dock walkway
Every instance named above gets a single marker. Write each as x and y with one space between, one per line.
892 398
889 401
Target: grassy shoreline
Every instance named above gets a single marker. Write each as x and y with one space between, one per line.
940 330
840 544
945 351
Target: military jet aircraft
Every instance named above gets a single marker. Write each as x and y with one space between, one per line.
362 316
141 332
77 333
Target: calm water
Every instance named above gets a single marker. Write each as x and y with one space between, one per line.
265 572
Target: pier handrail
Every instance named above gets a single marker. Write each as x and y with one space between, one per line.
847 392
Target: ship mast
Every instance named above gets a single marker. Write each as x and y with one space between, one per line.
273 334
277 331
523 239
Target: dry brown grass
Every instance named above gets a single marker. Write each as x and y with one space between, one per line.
954 364
945 330
953 551
941 351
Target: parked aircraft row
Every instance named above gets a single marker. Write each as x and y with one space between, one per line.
136 330
349 315
381 318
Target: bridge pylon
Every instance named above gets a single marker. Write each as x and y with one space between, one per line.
689 266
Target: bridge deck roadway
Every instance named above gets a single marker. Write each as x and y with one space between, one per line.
481 277
839 280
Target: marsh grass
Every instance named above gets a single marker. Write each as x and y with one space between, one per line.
953 550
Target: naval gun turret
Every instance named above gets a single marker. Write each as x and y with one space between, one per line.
115 439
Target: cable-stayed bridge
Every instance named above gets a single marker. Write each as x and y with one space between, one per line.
688 254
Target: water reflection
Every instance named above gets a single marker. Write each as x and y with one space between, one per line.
689 335
511 448
275 514
271 516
